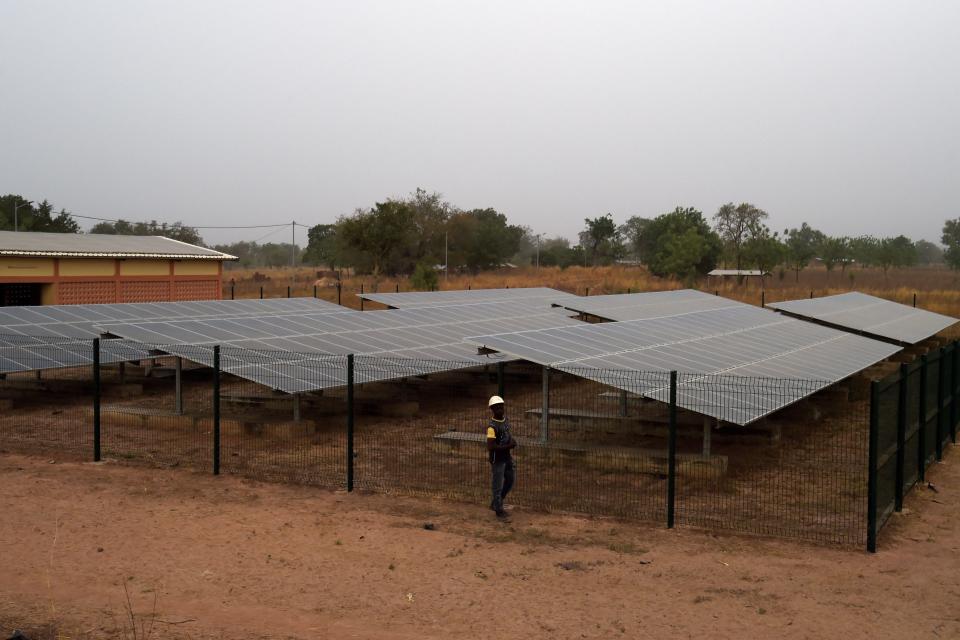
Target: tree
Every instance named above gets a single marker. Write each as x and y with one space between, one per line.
632 232
928 252
951 240
321 245
175 231
556 252
896 252
737 224
833 251
378 233
482 239
31 217
424 277
669 248
601 240
763 250
863 250
802 246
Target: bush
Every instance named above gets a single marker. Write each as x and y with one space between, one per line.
424 277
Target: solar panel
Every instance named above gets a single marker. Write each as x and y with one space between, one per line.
638 306
59 336
867 314
543 296
738 341
416 341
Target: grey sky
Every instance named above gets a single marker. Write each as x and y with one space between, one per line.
842 114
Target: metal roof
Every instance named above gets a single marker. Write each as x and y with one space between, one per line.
738 272
101 245
855 311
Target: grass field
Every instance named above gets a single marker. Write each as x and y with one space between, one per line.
937 288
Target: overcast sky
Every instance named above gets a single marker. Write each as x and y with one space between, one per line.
842 114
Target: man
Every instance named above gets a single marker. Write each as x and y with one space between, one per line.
499 444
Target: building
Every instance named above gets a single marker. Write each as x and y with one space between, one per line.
68 268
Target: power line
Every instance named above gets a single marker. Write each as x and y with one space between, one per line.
251 226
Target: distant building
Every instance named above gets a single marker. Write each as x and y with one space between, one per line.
69 268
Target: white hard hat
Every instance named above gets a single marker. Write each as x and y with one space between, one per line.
495 400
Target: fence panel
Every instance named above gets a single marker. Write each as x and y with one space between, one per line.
49 412
799 473
931 441
911 456
889 409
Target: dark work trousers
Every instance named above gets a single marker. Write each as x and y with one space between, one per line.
503 473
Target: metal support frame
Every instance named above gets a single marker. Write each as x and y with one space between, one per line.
545 409
707 428
623 404
872 466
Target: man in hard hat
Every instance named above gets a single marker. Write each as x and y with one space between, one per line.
499 444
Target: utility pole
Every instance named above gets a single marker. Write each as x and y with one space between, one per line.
293 250
17 205
446 257
538 251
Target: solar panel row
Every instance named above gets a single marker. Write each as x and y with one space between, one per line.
870 315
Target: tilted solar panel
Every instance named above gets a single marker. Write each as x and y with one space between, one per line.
739 341
653 304
855 311
525 295
422 340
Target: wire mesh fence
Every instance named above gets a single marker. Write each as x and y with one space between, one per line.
828 469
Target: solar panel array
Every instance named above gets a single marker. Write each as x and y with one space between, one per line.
867 314
58 336
543 296
740 340
415 340
638 306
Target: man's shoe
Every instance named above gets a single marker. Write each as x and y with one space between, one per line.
502 514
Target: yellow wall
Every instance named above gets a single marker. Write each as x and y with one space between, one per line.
48 293
87 267
144 267
12 267
196 268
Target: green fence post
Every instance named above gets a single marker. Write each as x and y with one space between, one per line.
339 287
500 371
940 413
361 296
672 453
96 399
288 291
901 435
953 391
216 410
350 422
232 292
922 432
872 466
261 292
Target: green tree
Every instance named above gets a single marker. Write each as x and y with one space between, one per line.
669 249
864 249
951 240
424 277
601 240
895 253
763 250
736 225
632 232
321 246
556 252
928 252
380 234
802 246
482 239
34 217
175 231
833 251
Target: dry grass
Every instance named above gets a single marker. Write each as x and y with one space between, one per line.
937 289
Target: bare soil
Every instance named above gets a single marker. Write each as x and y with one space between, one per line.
222 557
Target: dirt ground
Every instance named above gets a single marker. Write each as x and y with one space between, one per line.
205 557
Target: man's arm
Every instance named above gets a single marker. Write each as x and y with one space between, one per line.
492 442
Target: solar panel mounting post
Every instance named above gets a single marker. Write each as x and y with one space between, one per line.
339 286
261 292
941 379
500 371
922 426
288 291
914 301
296 407
954 391
707 425
623 404
361 296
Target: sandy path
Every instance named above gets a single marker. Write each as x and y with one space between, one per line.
228 558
